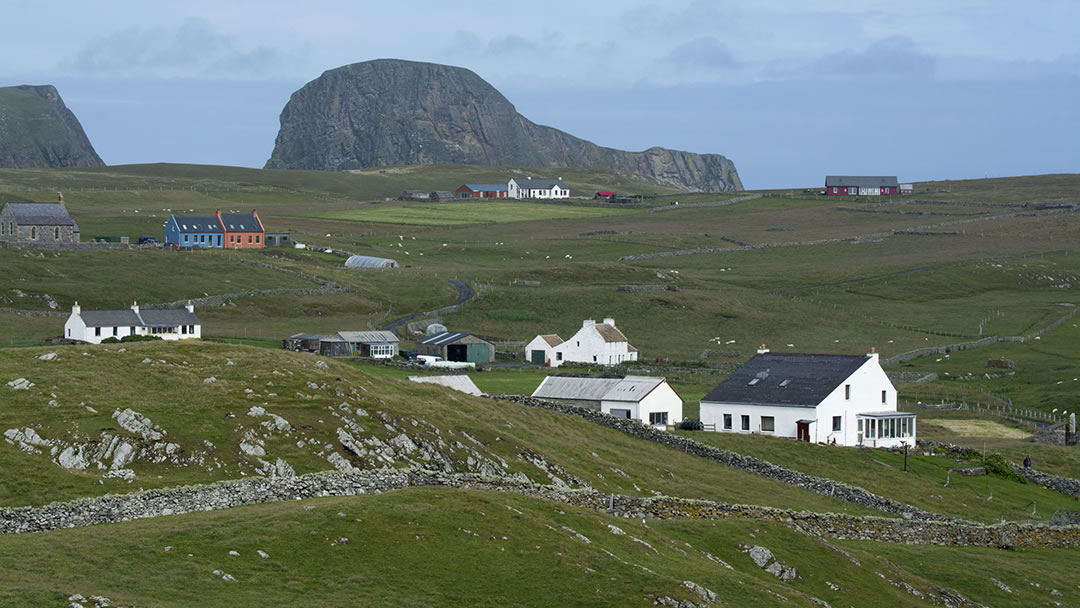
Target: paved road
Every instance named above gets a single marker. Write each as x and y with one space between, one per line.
465 295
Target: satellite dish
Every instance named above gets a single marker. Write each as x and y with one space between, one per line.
434 329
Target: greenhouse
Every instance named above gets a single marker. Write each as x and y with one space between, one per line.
367 261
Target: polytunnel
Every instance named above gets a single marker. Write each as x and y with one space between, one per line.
367 261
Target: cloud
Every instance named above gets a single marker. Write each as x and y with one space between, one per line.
706 53
192 49
888 57
697 16
510 45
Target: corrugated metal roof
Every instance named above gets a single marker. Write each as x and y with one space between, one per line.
596 388
458 382
786 379
368 337
860 181
487 187
444 338
367 261
40 214
303 336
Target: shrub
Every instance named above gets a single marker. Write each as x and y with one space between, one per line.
998 465
137 338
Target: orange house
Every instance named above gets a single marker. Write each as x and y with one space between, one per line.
242 230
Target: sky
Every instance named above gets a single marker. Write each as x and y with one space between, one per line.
790 91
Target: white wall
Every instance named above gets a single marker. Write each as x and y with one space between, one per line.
663 398
867 384
539 343
587 346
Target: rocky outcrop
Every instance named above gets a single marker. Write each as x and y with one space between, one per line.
38 131
392 112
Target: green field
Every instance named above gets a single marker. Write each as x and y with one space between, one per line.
795 271
437 214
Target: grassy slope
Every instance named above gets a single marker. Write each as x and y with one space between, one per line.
507 550
192 411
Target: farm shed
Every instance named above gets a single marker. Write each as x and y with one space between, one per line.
278 239
643 398
861 185
333 346
367 261
302 342
457 346
377 344
459 382
29 224
482 191
841 399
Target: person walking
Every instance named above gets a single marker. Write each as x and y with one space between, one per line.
1027 462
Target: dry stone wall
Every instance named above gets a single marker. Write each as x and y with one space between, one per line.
222 495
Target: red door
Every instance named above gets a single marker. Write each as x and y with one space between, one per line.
802 432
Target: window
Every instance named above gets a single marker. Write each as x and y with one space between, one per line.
183 329
257 237
884 396
847 391
219 240
97 331
727 422
558 356
56 233
33 232
852 190
594 358
131 331
834 190
745 422
768 424
249 239
116 331
186 237
836 422
658 418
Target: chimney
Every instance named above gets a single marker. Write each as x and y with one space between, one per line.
76 309
873 354
135 307
190 307
762 350
588 323
609 321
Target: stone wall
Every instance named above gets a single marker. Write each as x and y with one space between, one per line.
223 495
647 288
819 485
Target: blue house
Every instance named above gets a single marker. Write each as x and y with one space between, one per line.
194 231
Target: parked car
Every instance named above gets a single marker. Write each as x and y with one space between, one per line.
147 240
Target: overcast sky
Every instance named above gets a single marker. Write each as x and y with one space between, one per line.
790 91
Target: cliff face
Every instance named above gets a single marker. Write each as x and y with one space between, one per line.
393 112
38 131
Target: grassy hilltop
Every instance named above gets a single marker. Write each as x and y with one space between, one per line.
954 262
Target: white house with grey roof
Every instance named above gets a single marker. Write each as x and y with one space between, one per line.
93 326
594 343
649 400
40 224
537 187
833 399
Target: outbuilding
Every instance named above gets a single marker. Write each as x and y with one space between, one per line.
457 346
376 344
369 261
833 399
647 399
482 191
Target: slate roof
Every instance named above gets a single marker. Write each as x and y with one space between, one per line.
166 317
444 338
198 223
596 388
860 181
786 379
539 183
487 187
368 337
40 214
609 333
241 222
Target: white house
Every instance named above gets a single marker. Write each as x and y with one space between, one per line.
93 326
537 188
650 400
834 399
600 343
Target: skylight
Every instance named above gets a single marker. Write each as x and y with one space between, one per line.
754 381
785 382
